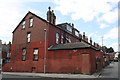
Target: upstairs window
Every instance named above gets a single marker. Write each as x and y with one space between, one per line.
28 36
57 38
31 22
62 38
23 25
76 33
68 40
24 54
35 54
69 28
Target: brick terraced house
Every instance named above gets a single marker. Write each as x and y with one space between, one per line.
39 45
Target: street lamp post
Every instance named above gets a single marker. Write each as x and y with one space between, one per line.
45 52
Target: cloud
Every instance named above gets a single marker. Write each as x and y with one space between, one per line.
102 26
85 9
92 35
11 14
9 11
112 34
110 17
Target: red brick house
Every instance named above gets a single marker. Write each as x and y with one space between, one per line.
5 52
40 45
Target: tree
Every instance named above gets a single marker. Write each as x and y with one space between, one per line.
104 48
110 50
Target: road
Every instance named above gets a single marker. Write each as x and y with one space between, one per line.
111 71
11 77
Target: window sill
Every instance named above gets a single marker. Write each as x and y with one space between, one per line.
30 26
35 60
23 29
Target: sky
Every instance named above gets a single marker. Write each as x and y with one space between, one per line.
97 18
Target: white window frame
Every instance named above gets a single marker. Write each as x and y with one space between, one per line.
23 25
31 22
28 37
57 38
35 54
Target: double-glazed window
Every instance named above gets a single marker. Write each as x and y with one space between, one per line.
24 54
23 25
35 54
31 22
28 36
57 38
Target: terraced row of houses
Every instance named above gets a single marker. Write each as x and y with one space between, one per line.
42 46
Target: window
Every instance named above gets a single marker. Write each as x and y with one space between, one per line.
68 40
31 22
62 38
23 25
69 28
76 33
57 38
8 55
24 54
28 36
35 54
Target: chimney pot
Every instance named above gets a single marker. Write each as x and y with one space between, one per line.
90 40
83 35
49 8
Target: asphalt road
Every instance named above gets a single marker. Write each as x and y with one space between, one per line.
111 71
13 77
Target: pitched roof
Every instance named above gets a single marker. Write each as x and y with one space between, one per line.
69 46
25 17
44 21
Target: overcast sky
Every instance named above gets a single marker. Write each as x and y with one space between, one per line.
96 18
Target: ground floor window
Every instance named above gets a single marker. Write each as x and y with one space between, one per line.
24 54
35 54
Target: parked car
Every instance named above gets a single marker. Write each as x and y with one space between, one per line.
116 60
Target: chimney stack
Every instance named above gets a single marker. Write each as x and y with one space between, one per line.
72 25
51 16
83 35
94 43
90 40
86 39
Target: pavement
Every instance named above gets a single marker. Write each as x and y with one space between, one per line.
53 75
